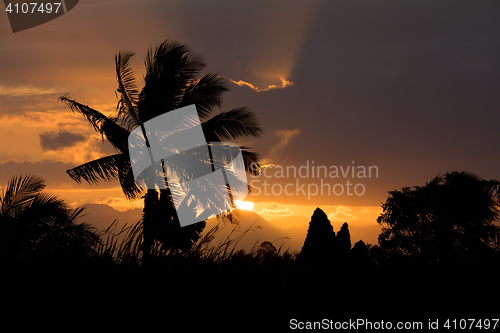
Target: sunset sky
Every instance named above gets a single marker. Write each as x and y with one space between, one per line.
410 88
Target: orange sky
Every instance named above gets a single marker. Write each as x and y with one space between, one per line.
409 89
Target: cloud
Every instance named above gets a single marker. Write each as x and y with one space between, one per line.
40 119
371 210
284 83
61 139
83 151
22 91
342 214
274 213
285 137
52 171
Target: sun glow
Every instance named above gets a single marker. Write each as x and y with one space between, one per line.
247 205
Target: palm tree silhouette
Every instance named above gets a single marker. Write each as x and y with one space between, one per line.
172 81
37 226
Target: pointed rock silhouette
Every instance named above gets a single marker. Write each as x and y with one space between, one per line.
319 245
343 240
360 249
360 258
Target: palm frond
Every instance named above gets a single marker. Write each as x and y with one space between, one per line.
126 177
105 126
101 169
20 191
39 226
76 214
46 208
205 92
116 135
231 124
94 117
170 68
127 88
62 237
251 161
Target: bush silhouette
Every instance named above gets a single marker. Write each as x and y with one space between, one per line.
447 221
38 227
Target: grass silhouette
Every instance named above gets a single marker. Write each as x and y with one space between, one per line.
121 247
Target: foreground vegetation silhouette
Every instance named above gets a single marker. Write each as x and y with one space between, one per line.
449 221
410 272
38 228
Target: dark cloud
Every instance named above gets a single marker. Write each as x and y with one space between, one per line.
409 86
53 172
20 105
58 140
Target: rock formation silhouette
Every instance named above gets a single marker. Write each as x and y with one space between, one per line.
319 245
360 256
360 249
322 246
343 241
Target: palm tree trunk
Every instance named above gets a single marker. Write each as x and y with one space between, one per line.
148 219
150 210
158 212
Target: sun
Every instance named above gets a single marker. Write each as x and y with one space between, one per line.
247 205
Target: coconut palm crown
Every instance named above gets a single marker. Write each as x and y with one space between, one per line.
172 81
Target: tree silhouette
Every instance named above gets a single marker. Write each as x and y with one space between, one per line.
39 227
172 81
449 220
